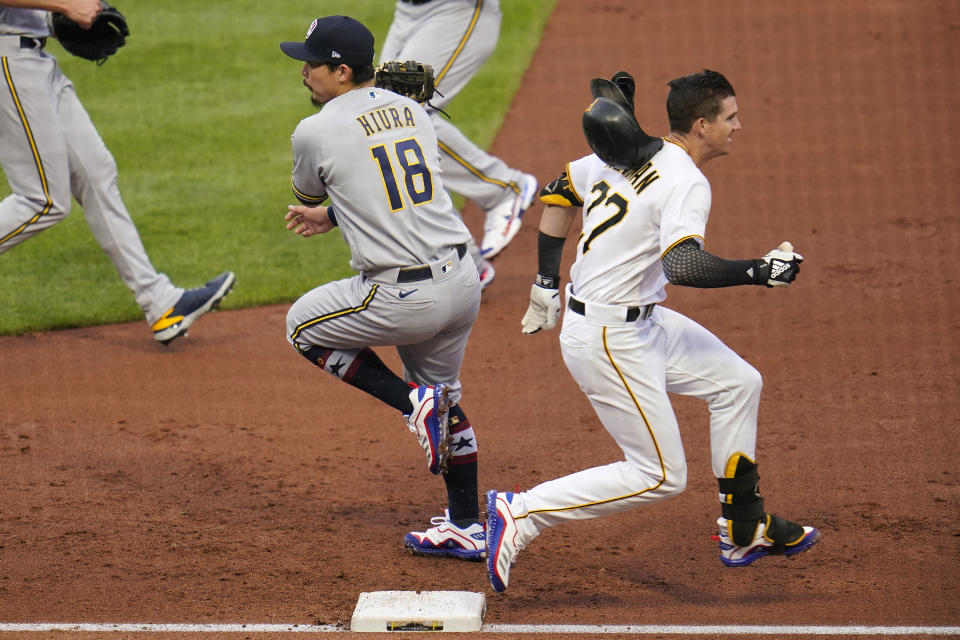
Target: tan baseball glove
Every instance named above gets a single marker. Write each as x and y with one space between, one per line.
411 78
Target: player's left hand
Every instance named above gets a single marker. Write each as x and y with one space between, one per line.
779 267
544 309
308 221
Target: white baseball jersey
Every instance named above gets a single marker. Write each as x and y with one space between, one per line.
630 219
375 154
628 363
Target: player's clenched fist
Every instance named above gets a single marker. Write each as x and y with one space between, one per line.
544 309
779 267
83 12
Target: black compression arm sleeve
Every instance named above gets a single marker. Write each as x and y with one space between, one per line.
549 253
688 265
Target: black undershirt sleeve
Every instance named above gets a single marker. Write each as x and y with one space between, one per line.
549 253
687 265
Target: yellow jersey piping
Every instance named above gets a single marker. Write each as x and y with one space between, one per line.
304 197
570 184
676 142
679 241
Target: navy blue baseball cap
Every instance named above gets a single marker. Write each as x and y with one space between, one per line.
338 39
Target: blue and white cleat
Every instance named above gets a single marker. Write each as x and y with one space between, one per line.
428 421
503 221
447 539
487 274
769 540
503 542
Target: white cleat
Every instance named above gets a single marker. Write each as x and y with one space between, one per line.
504 220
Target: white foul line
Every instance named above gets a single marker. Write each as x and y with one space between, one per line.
147 627
800 630
652 629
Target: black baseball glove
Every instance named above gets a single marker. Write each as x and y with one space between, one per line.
107 34
412 79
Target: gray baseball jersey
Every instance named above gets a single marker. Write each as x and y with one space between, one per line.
50 149
375 154
455 37
25 22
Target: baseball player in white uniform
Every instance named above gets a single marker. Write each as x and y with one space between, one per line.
50 150
456 37
642 227
374 154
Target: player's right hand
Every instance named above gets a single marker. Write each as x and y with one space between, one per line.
83 12
308 221
544 309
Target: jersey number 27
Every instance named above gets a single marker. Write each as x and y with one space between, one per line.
616 200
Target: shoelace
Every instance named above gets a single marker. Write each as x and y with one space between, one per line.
438 520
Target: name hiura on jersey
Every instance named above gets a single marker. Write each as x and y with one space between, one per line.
386 119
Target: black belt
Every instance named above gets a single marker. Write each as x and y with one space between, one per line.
415 1
633 313
32 43
415 274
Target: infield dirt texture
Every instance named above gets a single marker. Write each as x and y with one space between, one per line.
226 480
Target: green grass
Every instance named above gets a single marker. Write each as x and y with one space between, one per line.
198 109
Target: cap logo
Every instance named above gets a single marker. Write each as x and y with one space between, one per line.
313 25
335 54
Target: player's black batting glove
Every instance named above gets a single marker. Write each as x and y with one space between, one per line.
544 309
778 268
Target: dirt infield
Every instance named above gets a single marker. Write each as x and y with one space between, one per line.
224 479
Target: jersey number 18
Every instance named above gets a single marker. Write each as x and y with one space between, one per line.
416 175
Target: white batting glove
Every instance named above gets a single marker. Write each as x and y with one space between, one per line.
544 309
779 267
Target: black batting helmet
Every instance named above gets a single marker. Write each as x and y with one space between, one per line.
612 131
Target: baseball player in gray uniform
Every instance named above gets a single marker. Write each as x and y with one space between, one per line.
374 154
644 226
456 37
50 150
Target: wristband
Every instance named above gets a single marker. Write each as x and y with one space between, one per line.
547 282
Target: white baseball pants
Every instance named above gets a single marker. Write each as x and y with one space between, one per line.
627 369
